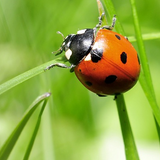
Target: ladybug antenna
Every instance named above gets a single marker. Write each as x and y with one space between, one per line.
60 50
58 32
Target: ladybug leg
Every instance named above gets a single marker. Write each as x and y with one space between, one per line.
113 24
116 95
61 49
72 68
101 95
126 38
99 24
58 65
100 21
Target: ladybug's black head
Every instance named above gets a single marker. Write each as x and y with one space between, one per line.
65 44
77 46
67 41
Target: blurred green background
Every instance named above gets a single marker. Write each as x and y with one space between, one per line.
77 124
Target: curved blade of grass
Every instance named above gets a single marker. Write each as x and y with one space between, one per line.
29 148
111 12
48 137
148 36
27 75
11 141
145 77
101 10
130 147
129 143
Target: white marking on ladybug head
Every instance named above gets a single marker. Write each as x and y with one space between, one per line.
63 44
88 57
68 54
66 45
81 31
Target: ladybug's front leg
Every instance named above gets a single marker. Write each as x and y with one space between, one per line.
57 65
113 24
61 65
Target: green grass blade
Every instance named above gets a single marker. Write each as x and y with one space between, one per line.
142 52
101 10
158 128
10 142
147 36
111 12
145 77
48 137
27 75
129 143
29 148
130 147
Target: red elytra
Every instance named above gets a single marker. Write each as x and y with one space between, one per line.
117 70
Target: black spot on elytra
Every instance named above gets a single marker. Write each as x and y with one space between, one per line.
118 37
79 70
96 54
88 83
123 57
110 79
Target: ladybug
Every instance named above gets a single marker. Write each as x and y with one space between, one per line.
104 61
